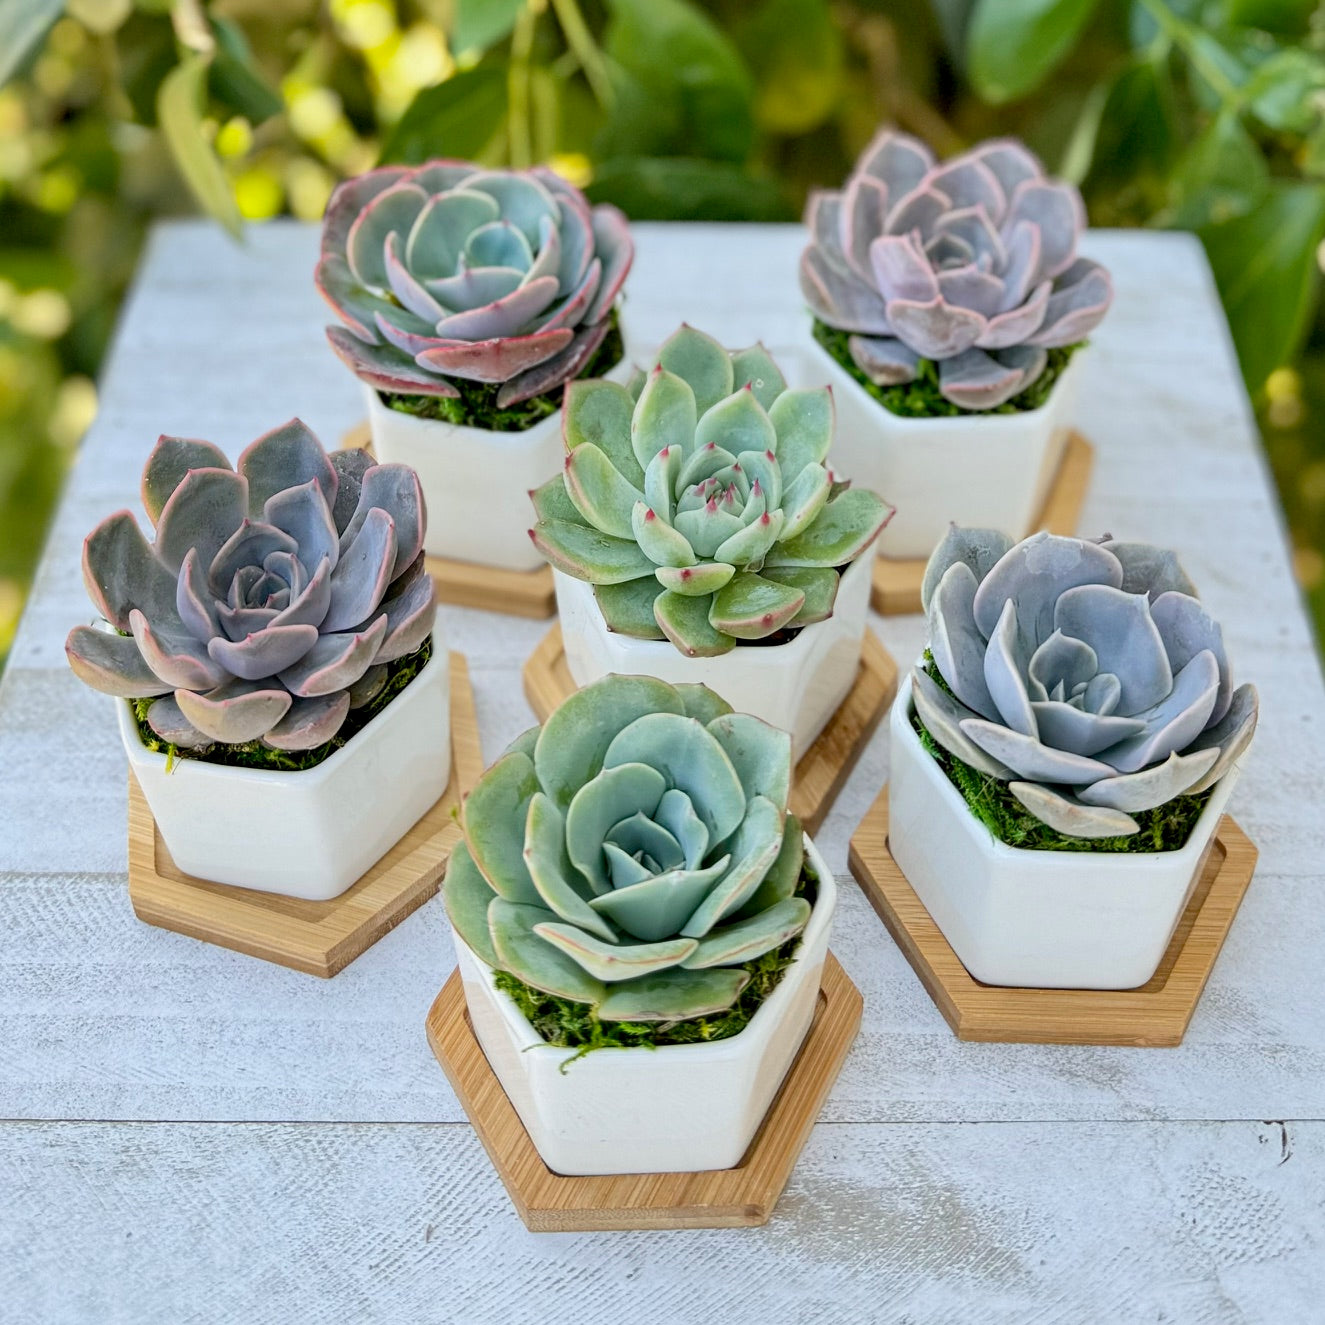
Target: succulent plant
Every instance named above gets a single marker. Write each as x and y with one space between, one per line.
971 262
273 597
451 271
1084 674
632 853
698 503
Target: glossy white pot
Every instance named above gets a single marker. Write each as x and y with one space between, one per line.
680 1108
990 471
1042 919
309 834
476 483
797 686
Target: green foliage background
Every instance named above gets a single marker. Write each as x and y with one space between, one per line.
1199 114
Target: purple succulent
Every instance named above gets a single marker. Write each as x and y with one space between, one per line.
970 262
274 595
449 270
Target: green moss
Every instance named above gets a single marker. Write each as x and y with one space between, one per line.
253 754
922 399
476 405
1165 828
569 1025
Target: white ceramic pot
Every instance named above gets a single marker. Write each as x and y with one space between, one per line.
680 1108
476 483
309 834
989 471
1041 919
797 686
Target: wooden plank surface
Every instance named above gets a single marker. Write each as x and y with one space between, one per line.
195 1136
739 1197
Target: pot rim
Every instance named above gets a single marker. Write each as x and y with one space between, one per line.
787 650
139 754
1122 862
528 1040
968 418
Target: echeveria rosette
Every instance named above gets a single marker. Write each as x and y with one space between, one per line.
452 271
632 853
698 501
274 597
1086 675
970 262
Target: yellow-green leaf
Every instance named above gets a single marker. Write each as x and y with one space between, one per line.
179 107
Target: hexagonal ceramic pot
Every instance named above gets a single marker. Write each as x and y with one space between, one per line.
797 686
680 1108
476 483
989 471
313 833
1042 919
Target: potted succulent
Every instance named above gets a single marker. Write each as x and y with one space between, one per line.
276 659
640 927
697 534
949 308
469 298
1061 759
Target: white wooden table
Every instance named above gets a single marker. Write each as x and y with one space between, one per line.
192 1135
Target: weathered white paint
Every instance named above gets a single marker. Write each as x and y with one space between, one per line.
1089 1191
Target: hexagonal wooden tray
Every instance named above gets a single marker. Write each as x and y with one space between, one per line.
822 769
1155 1015
897 583
549 1202
467 584
318 938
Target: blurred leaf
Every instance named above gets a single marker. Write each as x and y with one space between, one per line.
1013 45
23 24
455 118
1213 68
953 18
682 86
1138 131
1313 152
179 110
1290 17
682 189
1142 25
1221 175
482 23
796 52
1280 90
1265 266
234 78
145 48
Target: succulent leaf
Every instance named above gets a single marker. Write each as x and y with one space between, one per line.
598 412
603 498
628 608
685 621
756 368
1061 678
642 830
170 461
971 262
701 362
589 554
842 531
751 607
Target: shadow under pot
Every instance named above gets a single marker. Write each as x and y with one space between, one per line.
796 685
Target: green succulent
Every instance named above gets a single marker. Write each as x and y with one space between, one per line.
632 853
698 503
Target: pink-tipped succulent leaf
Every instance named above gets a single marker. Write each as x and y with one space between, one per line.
970 262
273 597
452 272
